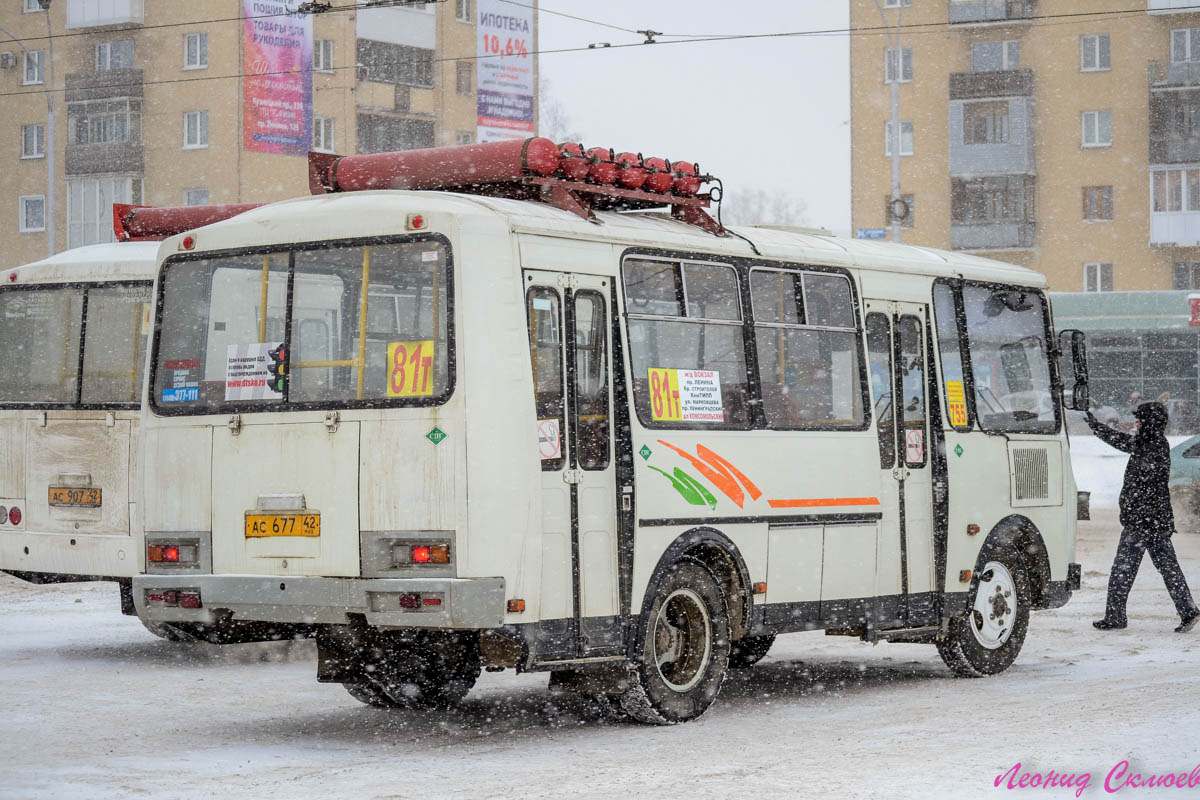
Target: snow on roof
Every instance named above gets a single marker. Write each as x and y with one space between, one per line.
111 261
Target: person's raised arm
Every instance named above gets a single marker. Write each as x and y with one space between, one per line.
1121 441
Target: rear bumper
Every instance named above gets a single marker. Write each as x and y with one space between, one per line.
88 556
466 603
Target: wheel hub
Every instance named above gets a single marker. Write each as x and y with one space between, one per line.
682 639
994 611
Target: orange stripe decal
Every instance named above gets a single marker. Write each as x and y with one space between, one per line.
725 466
722 480
814 502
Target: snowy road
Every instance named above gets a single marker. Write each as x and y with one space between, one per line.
94 707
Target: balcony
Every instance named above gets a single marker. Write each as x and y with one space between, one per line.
991 235
992 137
107 157
998 83
1175 126
103 85
95 13
967 12
1170 6
1173 73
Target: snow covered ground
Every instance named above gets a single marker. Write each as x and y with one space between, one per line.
94 707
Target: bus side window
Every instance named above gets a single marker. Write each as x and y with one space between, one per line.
545 352
946 319
879 356
591 382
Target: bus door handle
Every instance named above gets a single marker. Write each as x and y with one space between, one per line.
899 473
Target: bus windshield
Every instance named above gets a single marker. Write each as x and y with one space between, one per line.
1010 366
293 329
41 329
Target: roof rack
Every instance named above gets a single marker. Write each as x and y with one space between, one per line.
133 223
563 175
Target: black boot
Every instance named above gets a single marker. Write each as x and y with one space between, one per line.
1107 624
1189 622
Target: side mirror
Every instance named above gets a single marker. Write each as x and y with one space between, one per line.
1072 345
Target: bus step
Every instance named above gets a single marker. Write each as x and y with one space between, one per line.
927 633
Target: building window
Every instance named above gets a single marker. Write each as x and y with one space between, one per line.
897 3
30 6
1167 190
33 141
986 122
1007 198
1097 202
89 207
1097 129
1098 276
323 134
1185 45
380 134
104 123
1094 52
1187 275
464 82
905 70
195 129
323 55
35 67
909 209
462 10
395 63
114 55
464 137
906 138
195 51
195 197
33 213
994 56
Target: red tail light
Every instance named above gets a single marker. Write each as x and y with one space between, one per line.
189 599
420 554
410 601
14 515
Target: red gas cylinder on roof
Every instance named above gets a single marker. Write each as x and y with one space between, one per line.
630 172
603 166
658 175
574 164
687 179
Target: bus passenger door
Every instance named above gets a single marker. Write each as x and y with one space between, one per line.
896 351
570 348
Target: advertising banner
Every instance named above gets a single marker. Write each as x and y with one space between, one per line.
277 90
504 41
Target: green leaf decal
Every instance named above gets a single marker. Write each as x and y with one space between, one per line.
689 488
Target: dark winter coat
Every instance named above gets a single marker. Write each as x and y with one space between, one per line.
1145 500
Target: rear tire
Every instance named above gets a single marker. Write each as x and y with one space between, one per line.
165 630
749 650
988 638
419 670
367 693
684 649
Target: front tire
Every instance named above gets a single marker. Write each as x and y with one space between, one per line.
684 649
988 638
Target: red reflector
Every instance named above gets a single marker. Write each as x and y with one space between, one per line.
171 598
155 597
410 600
420 554
432 601
14 515
189 242
189 599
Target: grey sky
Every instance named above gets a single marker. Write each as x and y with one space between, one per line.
757 113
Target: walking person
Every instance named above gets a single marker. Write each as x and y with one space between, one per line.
1146 518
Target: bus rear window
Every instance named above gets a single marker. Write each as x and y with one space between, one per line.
41 328
294 328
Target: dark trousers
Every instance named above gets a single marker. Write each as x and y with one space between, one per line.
1125 568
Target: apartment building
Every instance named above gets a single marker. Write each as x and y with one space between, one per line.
165 102
1056 134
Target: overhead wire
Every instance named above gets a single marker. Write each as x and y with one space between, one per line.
1048 20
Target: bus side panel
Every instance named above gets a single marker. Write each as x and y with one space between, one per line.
501 492
178 465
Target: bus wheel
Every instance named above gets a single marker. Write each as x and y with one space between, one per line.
748 651
988 638
684 649
426 670
367 693
165 630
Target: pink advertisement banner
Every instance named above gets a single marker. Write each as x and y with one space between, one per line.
277 87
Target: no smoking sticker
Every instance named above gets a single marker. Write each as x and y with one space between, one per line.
549 441
914 446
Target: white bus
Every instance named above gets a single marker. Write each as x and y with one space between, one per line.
455 431
74 330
